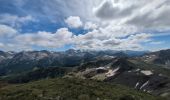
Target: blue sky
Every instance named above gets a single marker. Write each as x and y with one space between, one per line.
59 25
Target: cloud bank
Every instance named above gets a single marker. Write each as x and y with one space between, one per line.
104 24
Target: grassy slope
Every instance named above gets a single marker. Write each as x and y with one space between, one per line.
71 89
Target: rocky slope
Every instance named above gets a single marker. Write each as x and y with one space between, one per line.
161 57
123 71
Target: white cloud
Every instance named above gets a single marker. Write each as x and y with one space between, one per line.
153 15
111 24
90 26
10 39
7 31
15 20
122 24
1 45
133 42
7 41
46 39
74 22
99 40
142 37
157 42
115 30
143 14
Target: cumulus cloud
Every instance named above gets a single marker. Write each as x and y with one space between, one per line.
10 39
74 22
7 41
46 39
97 40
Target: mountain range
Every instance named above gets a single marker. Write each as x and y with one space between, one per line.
16 62
143 71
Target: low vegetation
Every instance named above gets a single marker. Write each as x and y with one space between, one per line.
71 89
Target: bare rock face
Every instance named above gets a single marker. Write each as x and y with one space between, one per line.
122 71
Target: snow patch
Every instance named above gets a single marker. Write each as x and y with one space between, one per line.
137 70
144 85
100 68
147 72
136 84
112 72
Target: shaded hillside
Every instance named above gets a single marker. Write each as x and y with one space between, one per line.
160 57
37 74
163 57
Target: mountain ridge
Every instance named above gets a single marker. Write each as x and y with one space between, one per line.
136 72
15 61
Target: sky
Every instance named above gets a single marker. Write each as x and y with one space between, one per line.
58 25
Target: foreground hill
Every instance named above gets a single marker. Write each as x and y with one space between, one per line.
71 89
